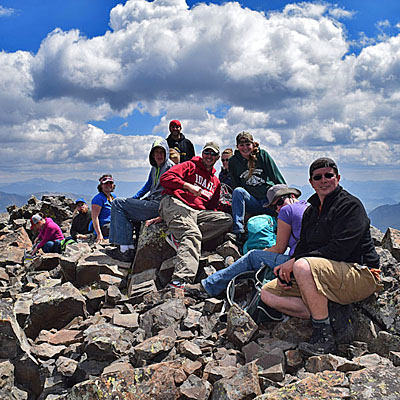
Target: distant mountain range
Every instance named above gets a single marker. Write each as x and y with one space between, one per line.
86 188
384 216
383 205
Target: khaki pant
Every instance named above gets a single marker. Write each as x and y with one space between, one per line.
341 282
190 227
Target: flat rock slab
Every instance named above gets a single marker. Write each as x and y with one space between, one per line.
375 383
243 385
66 337
323 385
155 382
59 304
153 347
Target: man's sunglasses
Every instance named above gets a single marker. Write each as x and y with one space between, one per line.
327 175
224 159
280 201
210 153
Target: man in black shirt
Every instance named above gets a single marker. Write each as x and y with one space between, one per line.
80 222
176 140
334 264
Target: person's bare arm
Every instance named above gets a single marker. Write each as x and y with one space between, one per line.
96 209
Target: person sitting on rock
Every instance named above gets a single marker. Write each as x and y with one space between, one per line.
283 200
49 237
224 176
101 207
334 261
253 172
177 140
125 211
188 207
81 220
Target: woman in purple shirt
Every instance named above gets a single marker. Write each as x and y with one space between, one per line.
284 201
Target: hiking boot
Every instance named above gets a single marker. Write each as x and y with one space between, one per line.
341 321
236 238
196 290
172 241
321 342
117 254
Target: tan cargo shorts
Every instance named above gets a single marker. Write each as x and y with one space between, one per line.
339 281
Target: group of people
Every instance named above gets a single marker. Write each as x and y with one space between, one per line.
324 258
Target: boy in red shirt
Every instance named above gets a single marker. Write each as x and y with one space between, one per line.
189 208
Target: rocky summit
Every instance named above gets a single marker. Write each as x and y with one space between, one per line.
80 325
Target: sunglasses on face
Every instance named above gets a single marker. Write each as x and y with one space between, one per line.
279 202
327 175
210 153
225 159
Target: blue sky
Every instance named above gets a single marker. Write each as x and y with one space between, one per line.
91 82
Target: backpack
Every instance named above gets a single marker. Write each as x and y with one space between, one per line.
244 290
261 232
225 198
64 243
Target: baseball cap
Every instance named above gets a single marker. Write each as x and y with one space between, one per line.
211 145
80 200
175 122
35 219
323 162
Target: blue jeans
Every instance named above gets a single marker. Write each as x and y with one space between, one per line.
52 247
242 202
252 261
123 211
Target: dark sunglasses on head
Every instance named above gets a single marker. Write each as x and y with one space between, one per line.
280 201
328 175
224 159
210 153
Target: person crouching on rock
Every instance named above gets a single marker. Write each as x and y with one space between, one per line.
126 212
49 237
334 264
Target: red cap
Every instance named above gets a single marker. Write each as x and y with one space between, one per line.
175 122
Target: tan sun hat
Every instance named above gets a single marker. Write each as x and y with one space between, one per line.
276 191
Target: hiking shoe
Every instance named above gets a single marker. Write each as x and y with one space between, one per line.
176 285
117 254
236 238
172 241
321 342
196 290
341 321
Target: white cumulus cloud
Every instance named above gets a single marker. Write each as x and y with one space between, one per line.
287 77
